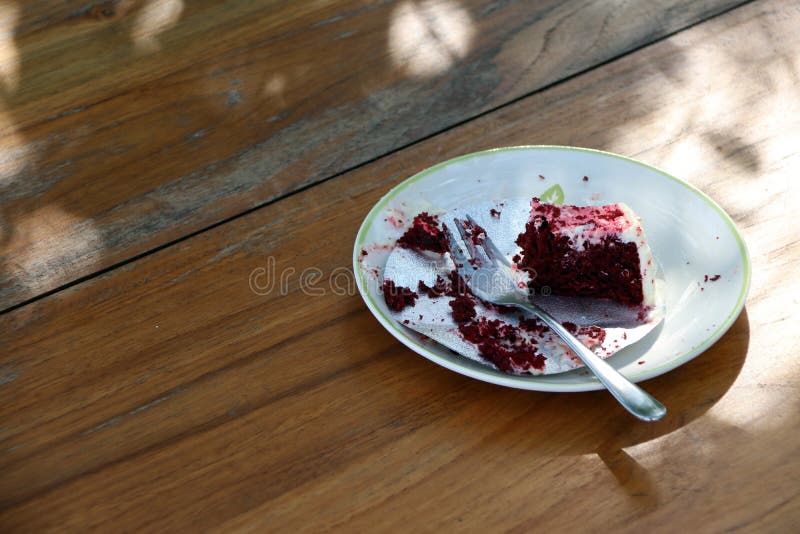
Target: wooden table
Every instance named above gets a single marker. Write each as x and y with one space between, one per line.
155 153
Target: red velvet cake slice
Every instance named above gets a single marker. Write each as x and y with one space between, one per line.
588 251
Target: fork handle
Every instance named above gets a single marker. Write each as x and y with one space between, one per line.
632 397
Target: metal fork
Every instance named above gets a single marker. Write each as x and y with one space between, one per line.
488 273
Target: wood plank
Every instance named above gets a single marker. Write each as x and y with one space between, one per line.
166 394
125 125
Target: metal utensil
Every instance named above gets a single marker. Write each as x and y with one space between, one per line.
487 272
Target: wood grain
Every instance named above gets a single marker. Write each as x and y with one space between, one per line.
127 124
166 394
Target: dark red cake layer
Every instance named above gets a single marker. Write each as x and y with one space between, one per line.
608 269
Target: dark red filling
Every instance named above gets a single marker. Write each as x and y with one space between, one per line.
424 234
397 297
609 269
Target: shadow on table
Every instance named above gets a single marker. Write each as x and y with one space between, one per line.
593 422
688 392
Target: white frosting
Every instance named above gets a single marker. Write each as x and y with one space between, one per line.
580 235
647 264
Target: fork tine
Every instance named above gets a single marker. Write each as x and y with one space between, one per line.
475 251
457 253
489 247
462 232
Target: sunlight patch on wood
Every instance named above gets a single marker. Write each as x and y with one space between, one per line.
156 17
9 53
49 239
14 155
427 38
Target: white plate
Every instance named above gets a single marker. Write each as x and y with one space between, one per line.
690 235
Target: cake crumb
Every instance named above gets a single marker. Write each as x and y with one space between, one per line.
397 297
394 221
425 234
463 309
